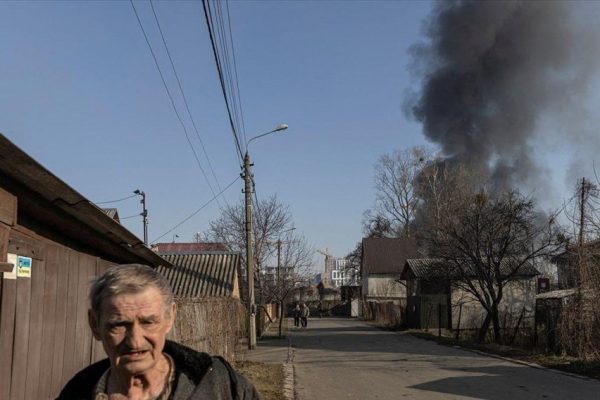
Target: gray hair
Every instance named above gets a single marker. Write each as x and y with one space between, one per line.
127 279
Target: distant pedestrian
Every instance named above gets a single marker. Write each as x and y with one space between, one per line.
296 314
320 309
304 314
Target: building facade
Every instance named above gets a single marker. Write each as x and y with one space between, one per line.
338 273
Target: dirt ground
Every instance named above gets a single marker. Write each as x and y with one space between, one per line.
267 378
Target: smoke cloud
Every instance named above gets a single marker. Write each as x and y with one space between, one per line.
492 70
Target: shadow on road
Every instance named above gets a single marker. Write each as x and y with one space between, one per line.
500 383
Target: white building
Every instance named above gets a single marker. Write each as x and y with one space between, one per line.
338 272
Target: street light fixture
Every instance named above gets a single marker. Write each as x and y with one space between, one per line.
247 175
144 213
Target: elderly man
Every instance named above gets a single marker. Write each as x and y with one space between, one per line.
132 310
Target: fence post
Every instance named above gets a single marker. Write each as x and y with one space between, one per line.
439 319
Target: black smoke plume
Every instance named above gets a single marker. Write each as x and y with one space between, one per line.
490 70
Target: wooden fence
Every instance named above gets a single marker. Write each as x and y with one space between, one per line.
386 313
210 324
44 334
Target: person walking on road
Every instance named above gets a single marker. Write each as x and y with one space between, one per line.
320 309
296 314
305 312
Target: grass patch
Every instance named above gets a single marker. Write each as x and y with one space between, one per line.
267 378
573 365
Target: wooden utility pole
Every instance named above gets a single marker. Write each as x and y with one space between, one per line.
580 238
579 332
249 255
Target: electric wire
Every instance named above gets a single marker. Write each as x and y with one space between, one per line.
187 136
208 19
196 212
115 201
131 216
225 62
236 74
183 96
222 59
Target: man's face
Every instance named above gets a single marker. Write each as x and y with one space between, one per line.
133 328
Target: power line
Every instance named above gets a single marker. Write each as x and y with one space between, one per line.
187 136
197 211
131 216
183 96
115 201
236 75
224 50
208 18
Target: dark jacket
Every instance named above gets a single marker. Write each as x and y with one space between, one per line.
197 376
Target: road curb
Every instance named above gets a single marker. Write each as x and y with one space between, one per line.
526 363
512 360
288 373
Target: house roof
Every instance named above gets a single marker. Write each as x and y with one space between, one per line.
431 268
422 268
189 248
387 255
112 213
200 275
51 207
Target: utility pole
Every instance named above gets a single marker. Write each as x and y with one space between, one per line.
581 230
144 213
278 259
249 256
580 334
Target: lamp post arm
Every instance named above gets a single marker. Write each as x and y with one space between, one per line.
281 127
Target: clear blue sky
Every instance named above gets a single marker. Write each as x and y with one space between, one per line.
80 93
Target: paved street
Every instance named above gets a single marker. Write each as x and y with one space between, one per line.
349 359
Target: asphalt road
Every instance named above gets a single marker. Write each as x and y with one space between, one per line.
349 359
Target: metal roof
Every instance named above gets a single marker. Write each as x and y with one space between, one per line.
200 275
113 213
429 268
50 205
387 255
189 248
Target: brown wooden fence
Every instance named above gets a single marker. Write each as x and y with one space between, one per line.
44 333
386 313
210 324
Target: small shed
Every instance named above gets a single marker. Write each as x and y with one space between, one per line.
53 241
548 310
428 293
206 285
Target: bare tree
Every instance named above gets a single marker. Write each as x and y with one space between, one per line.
485 242
442 187
396 198
353 268
271 217
580 325
294 258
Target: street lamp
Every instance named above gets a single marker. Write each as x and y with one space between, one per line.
144 213
247 175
